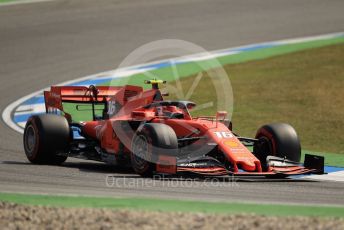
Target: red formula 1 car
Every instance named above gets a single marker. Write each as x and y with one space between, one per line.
136 127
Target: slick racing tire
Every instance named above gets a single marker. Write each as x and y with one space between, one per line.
279 140
149 141
46 139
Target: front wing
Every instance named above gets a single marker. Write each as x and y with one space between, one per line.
208 166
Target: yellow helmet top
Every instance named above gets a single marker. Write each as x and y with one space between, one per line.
155 83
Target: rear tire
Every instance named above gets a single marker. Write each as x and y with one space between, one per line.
279 140
148 143
45 137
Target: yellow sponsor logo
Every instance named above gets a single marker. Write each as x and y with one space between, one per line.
231 144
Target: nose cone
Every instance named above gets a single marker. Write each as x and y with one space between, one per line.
248 166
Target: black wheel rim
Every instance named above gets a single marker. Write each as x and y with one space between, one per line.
30 140
140 152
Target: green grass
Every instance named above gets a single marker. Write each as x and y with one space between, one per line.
84 113
303 88
174 205
188 69
3 1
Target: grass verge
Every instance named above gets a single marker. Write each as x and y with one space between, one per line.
174 205
190 68
5 1
303 88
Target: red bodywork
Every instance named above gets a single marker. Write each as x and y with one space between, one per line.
129 104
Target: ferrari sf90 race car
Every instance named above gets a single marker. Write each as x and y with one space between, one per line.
129 126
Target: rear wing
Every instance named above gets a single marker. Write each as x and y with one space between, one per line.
81 94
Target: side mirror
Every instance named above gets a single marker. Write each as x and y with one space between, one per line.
220 116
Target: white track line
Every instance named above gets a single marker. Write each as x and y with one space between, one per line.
18 2
335 176
26 109
6 115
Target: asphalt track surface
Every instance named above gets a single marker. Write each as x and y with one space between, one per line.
42 44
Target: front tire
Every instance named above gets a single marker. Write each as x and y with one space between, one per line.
148 143
279 140
45 138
